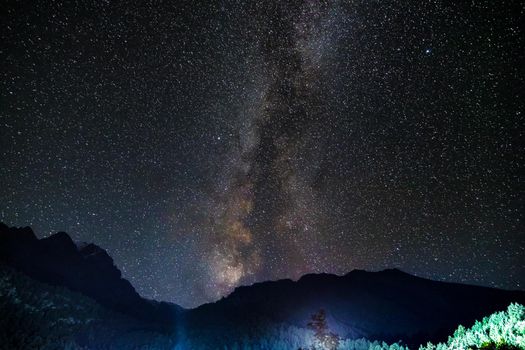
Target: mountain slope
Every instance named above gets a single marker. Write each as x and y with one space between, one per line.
389 305
87 269
35 315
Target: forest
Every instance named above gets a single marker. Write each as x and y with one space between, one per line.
40 316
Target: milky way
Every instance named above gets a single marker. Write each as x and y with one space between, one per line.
270 137
207 146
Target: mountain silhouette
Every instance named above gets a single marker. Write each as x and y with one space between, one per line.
388 305
84 268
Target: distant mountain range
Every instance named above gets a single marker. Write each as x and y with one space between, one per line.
388 305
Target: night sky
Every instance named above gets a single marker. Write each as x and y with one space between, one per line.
211 144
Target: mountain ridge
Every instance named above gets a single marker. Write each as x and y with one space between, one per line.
385 305
85 268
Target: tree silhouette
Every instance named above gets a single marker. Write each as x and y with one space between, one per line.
324 338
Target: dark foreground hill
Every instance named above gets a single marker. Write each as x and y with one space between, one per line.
388 305
39 316
53 284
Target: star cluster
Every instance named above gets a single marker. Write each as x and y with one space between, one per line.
207 145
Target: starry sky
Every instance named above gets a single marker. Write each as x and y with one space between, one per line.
210 144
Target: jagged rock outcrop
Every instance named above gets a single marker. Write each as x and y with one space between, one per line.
84 268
